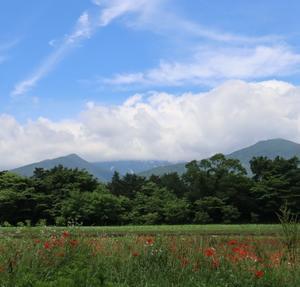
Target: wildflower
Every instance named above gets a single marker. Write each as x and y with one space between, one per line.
215 263
232 242
209 252
150 241
65 234
47 245
37 241
259 273
135 254
73 242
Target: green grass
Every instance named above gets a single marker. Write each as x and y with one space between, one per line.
191 256
212 229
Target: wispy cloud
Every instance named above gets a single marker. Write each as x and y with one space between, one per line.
156 16
8 45
82 30
210 66
5 47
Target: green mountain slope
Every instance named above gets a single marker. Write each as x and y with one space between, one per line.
101 170
69 161
269 148
131 166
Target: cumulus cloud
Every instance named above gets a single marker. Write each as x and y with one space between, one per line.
210 66
160 125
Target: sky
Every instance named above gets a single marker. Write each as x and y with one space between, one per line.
138 79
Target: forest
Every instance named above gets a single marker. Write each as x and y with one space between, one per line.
214 190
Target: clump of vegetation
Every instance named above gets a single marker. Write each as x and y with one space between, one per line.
291 233
72 258
215 190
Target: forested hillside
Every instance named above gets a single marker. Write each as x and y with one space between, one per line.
215 190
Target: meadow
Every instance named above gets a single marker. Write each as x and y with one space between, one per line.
186 255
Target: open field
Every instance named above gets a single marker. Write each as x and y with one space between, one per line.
210 229
212 255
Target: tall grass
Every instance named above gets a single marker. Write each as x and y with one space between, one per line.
70 259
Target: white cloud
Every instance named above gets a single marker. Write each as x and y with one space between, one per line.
211 66
160 126
112 9
82 30
5 47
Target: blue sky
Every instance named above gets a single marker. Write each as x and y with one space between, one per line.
61 59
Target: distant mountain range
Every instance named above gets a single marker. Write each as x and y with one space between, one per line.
269 148
101 170
104 170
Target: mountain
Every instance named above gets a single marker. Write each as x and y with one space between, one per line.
269 148
178 167
101 170
104 170
69 161
131 166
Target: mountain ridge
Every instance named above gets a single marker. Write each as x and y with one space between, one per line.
269 148
104 170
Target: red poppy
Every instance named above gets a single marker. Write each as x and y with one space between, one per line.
259 273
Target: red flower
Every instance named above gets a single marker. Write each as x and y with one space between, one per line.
149 241
209 252
215 263
73 242
232 242
47 245
259 274
65 234
135 254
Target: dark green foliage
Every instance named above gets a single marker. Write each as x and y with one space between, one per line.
214 190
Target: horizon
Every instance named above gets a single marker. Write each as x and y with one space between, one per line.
167 163
146 80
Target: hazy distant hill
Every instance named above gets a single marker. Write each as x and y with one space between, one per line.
269 148
69 161
178 167
102 170
131 166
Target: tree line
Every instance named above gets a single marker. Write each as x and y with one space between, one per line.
214 190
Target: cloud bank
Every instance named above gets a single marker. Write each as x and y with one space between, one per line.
160 125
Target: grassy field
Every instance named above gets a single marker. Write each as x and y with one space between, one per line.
189 255
210 229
